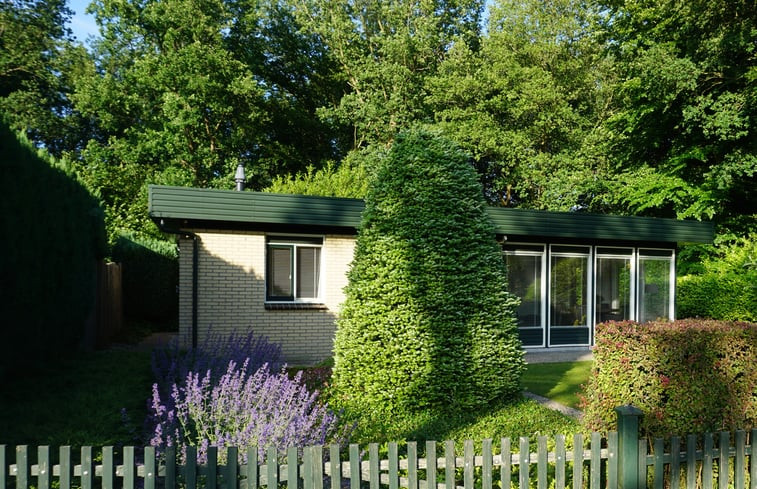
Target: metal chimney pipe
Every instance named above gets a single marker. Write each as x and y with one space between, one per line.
239 177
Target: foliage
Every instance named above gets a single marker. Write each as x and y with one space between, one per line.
683 127
559 382
348 179
528 105
53 234
726 288
80 399
150 277
242 409
427 324
689 376
225 393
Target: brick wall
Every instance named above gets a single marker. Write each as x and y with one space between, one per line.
231 293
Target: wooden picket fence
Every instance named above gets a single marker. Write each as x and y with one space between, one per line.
619 460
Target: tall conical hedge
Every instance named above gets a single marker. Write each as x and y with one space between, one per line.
427 322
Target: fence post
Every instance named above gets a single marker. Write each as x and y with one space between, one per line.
628 447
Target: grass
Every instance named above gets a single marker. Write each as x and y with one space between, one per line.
78 401
560 382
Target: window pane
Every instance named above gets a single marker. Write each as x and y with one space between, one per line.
279 272
524 281
308 272
613 289
568 290
654 288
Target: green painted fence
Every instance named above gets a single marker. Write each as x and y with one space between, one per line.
619 460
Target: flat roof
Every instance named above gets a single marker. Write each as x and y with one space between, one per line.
195 208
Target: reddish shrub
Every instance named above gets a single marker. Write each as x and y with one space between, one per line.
687 376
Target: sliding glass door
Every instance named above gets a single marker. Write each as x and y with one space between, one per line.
569 295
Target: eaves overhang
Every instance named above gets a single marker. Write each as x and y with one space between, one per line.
195 208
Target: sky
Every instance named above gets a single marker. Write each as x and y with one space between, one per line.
82 25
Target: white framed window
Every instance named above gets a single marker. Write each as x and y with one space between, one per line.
570 295
527 280
656 289
293 269
614 284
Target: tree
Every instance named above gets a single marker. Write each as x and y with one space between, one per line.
427 324
385 51
527 105
36 60
686 108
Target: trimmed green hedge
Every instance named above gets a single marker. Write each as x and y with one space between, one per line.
52 236
688 376
427 323
150 276
726 288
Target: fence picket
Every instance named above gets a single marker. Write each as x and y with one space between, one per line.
232 468
317 466
211 480
190 471
642 469
739 463
393 465
151 468
373 466
272 469
108 469
596 461
612 459
251 471
560 462
87 471
675 462
524 458
170 479
43 467
449 464
723 445
542 462
355 468
22 467
753 461
691 461
505 464
293 478
64 455
486 464
129 472
3 473
707 461
412 465
468 464
430 465
335 464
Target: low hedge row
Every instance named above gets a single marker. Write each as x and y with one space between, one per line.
688 376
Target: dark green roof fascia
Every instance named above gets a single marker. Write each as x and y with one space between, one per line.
210 206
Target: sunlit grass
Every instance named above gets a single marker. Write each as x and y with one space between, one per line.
560 382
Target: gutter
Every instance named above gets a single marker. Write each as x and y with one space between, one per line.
195 262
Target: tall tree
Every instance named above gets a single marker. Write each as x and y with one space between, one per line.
526 105
687 110
36 59
386 50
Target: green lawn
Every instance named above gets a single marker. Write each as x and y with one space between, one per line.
560 382
79 401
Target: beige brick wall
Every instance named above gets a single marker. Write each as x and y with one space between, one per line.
231 293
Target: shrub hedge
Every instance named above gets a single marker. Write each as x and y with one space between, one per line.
688 376
427 323
52 236
149 279
726 288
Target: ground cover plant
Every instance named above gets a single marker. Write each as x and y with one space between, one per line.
688 376
427 324
559 382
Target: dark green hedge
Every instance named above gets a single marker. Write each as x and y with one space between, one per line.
688 376
150 277
52 236
427 323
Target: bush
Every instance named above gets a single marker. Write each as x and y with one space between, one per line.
689 376
727 287
149 279
427 323
225 394
52 236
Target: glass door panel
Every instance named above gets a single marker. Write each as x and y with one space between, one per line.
655 294
613 289
524 277
569 299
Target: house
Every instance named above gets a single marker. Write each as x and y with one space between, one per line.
277 263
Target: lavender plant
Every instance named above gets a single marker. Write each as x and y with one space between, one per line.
243 410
